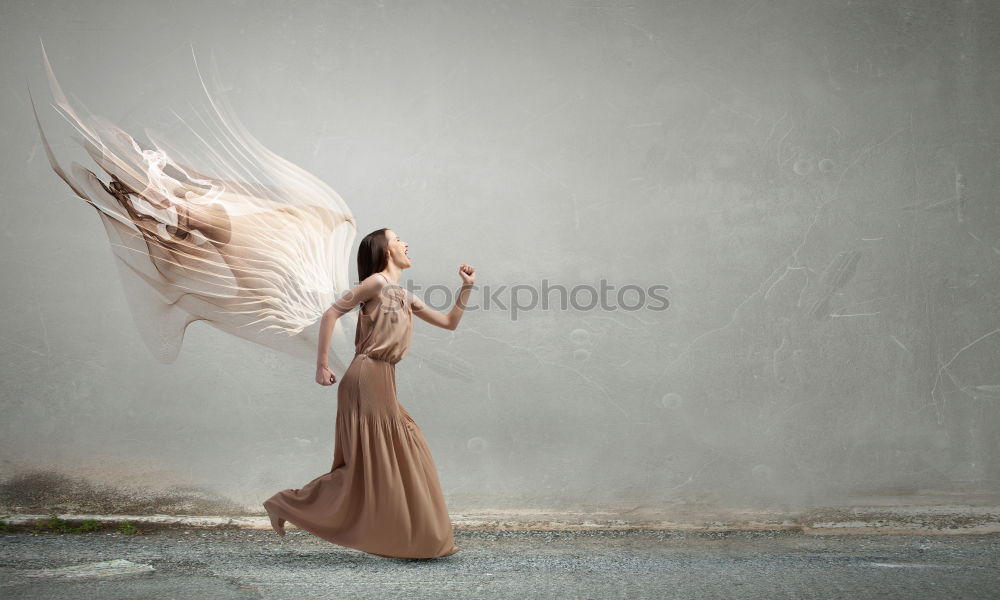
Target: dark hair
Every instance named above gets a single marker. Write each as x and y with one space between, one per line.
373 254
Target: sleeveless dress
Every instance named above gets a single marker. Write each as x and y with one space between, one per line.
382 495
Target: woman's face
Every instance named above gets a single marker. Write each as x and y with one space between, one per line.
398 250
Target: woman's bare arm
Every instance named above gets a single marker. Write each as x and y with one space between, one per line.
451 320
366 290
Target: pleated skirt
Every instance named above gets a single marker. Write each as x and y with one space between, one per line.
382 494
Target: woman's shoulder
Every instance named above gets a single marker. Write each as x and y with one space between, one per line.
375 278
374 284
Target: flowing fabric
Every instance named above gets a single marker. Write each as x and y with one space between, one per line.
209 225
382 495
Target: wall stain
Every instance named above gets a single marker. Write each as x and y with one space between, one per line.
48 490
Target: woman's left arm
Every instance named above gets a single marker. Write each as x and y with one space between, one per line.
454 316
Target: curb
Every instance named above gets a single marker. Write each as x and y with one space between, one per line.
855 521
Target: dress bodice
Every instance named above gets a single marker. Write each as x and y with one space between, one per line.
385 334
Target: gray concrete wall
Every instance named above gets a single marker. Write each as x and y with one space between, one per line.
815 181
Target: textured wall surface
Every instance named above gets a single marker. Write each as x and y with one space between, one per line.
815 181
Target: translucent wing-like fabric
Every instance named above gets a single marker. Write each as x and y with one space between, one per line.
222 231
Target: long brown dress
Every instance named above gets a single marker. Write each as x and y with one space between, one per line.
382 495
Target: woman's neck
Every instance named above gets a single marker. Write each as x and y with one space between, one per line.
392 273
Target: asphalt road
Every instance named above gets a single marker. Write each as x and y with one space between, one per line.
239 563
